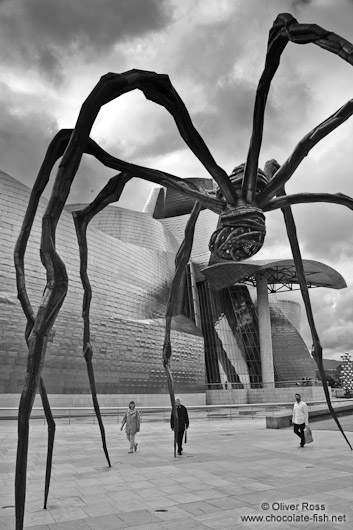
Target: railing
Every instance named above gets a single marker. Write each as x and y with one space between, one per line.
277 384
71 414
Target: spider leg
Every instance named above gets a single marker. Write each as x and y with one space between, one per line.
181 260
158 177
50 305
157 88
54 152
285 28
55 291
301 150
275 49
51 437
110 193
317 348
38 325
303 198
36 343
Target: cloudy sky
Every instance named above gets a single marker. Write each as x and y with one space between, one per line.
53 53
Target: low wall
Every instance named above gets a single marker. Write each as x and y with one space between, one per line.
227 397
106 400
263 395
284 420
211 397
278 395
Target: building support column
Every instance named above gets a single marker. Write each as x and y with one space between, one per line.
195 296
265 336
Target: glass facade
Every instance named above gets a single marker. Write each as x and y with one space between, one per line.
230 329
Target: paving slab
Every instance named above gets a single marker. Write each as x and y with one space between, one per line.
232 474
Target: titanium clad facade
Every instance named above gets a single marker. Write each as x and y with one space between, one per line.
131 265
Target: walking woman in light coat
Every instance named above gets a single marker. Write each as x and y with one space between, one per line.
132 419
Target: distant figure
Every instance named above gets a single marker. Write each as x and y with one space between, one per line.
226 385
132 419
183 423
300 418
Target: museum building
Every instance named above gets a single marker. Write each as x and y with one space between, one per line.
221 338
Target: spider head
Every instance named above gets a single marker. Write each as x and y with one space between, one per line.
241 229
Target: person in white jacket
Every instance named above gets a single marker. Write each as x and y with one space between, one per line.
300 418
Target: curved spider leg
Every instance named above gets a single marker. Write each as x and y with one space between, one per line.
38 325
37 329
51 437
51 302
55 150
301 150
161 91
157 88
181 260
275 49
284 201
317 348
107 89
110 193
285 28
159 177
305 198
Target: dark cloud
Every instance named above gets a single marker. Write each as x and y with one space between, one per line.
227 125
224 125
334 322
165 139
38 33
206 52
23 140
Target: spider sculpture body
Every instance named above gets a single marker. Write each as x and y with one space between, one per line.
240 201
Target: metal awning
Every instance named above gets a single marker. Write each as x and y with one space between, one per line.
281 274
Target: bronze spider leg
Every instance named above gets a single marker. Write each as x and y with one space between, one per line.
317 348
52 300
37 329
51 436
158 177
110 193
293 240
284 173
305 198
286 28
183 255
55 150
283 201
181 260
38 326
158 89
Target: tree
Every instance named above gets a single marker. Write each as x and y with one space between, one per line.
347 373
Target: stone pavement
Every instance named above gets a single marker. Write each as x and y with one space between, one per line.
230 470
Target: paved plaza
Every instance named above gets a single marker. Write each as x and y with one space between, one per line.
231 470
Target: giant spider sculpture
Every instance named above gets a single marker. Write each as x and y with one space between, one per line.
240 201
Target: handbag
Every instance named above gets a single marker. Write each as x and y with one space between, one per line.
308 435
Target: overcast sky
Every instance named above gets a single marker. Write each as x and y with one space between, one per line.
53 53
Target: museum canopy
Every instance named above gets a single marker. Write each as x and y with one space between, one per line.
281 274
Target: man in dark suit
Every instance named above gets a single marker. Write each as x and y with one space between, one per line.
183 423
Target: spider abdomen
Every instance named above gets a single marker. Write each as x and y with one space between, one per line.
240 234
